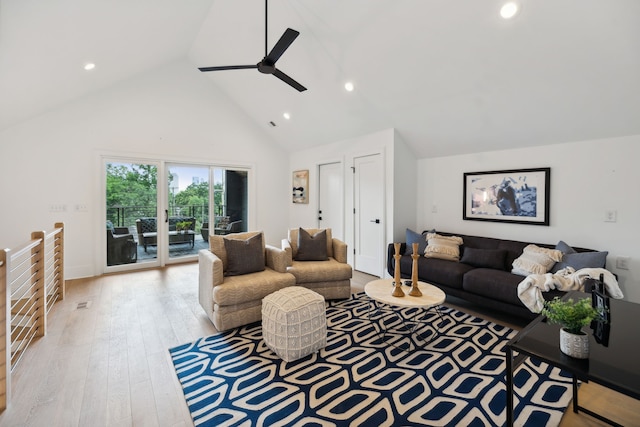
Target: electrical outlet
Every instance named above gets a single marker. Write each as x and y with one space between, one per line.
58 207
434 209
82 207
622 262
610 216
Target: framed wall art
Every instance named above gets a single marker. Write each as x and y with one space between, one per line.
519 196
301 186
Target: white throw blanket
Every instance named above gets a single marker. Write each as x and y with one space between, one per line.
568 279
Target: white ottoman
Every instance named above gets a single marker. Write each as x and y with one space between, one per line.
294 322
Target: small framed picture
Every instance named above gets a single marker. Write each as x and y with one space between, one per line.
600 301
300 186
601 332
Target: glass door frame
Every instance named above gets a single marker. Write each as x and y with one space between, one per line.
102 253
162 197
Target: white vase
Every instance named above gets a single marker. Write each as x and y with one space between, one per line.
574 345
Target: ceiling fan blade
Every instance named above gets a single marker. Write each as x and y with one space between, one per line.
288 80
283 44
228 67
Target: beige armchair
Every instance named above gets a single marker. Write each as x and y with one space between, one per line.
235 300
330 278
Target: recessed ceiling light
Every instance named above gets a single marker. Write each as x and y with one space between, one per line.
89 66
509 10
349 86
286 116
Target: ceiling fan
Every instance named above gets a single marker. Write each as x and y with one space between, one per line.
268 63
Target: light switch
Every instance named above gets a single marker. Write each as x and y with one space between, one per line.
622 262
610 216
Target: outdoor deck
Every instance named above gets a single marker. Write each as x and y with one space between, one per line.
175 250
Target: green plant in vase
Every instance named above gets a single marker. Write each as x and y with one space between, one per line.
573 316
183 226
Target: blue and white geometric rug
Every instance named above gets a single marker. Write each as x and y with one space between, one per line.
233 379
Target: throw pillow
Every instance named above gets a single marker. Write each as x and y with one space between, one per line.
244 256
565 248
312 248
484 258
535 260
578 260
443 247
413 237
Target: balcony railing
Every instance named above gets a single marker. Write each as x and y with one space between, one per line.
126 216
31 281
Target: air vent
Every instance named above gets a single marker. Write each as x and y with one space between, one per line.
84 304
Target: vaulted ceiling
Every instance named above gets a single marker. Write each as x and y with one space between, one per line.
451 76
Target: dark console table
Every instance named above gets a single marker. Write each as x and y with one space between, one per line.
614 365
175 237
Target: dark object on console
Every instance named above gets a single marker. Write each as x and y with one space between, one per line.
599 298
148 231
121 246
205 231
484 278
232 227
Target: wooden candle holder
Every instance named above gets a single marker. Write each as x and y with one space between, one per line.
415 291
397 281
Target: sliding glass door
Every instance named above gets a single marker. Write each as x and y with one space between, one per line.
188 209
131 212
149 224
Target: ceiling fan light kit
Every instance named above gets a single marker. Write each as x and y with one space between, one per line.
268 63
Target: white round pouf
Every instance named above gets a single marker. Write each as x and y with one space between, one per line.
294 322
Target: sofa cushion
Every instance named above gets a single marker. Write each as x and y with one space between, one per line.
311 247
514 250
244 256
497 284
484 258
412 237
243 290
320 271
535 260
578 260
443 247
435 270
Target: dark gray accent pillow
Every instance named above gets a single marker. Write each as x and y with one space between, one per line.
244 256
413 237
578 260
564 248
484 258
312 248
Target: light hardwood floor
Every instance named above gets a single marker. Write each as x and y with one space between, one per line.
108 364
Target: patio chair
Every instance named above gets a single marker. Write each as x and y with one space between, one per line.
121 246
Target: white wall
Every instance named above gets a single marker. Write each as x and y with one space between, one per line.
173 113
395 154
405 190
587 179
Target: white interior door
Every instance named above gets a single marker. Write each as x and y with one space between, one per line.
330 196
369 209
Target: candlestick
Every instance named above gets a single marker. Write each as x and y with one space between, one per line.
397 281
415 291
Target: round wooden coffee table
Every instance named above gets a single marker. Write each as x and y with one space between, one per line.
402 320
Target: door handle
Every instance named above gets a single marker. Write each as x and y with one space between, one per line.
166 215
377 221
319 218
